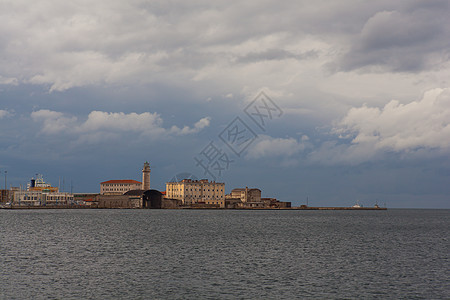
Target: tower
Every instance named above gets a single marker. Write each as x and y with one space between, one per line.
246 194
146 176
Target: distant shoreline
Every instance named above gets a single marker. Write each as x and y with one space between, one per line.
339 208
208 208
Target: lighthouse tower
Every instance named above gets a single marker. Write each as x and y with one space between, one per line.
146 176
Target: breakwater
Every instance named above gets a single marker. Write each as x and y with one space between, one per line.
339 208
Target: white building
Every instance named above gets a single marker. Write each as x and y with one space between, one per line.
40 193
39 198
197 192
119 187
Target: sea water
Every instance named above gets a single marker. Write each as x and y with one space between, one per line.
224 254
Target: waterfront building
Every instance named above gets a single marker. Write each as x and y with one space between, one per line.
88 199
220 203
119 187
40 193
119 201
245 195
28 198
274 203
58 198
5 196
136 199
251 198
40 198
193 192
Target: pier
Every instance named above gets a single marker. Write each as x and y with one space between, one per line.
304 207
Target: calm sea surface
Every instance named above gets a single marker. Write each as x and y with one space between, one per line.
212 254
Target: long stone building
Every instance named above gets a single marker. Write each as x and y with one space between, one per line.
119 187
245 195
251 198
193 192
40 198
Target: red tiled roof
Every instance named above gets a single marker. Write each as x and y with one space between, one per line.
130 181
163 192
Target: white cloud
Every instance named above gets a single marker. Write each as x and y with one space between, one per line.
221 50
101 125
267 146
423 124
53 122
10 80
121 122
5 113
90 67
202 123
127 42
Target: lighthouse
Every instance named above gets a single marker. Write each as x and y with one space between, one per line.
146 176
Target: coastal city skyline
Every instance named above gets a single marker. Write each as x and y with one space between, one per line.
257 149
182 192
330 102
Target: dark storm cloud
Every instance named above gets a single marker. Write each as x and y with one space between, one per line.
275 54
119 42
413 38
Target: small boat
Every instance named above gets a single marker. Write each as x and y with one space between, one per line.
357 205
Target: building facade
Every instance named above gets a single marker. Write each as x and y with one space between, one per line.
274 203
192 192
118 201
6 196
245 195
152 199
40 198
119 187
40 193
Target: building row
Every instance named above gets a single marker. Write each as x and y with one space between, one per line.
129 193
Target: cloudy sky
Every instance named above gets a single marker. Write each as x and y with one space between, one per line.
355 101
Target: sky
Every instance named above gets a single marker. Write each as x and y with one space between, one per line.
330 102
